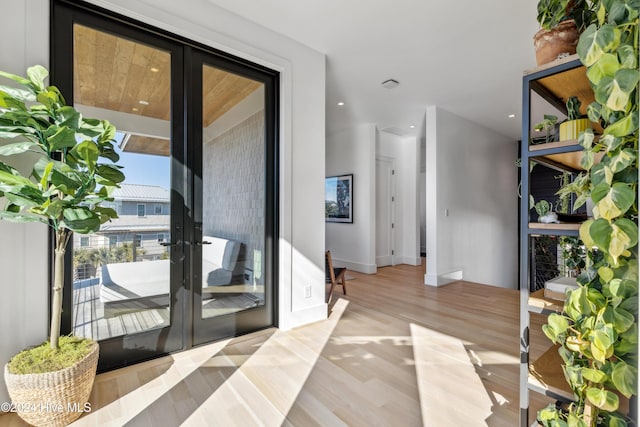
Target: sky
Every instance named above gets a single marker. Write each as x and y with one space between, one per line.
144 169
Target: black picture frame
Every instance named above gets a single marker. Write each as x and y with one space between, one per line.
338 199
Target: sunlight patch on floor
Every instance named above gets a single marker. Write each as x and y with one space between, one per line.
269 381
451 392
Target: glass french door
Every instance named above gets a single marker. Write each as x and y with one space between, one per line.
189 260
234 163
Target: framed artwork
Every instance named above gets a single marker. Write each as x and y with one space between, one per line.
338 198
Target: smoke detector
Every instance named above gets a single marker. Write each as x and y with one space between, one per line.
390 84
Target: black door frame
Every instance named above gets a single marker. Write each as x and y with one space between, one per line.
186 171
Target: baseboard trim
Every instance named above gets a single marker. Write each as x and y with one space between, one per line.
303 317
442 279
355 266
409 261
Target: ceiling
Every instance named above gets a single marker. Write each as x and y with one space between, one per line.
117 74
464 56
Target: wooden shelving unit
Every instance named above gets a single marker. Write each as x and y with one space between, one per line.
546 376
538 303
555 84
559 226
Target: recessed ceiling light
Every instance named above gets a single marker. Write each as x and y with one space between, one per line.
412 126
154 69
341 103
142 102
134 109
390 83
511 116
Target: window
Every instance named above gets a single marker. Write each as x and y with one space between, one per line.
113 241
84 242
162 237
157 209
141 210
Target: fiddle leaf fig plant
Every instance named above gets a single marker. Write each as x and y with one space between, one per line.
74 172
598 328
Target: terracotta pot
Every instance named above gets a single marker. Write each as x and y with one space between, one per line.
555 43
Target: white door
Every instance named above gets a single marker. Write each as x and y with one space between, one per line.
384 211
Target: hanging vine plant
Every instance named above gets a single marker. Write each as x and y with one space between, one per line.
598 329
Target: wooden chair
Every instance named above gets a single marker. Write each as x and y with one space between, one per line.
333 275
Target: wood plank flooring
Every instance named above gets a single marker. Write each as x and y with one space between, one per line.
393 352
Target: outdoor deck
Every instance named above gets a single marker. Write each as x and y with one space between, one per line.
90 320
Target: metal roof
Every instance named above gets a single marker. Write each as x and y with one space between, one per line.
138 192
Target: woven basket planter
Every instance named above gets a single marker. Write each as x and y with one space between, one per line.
53 398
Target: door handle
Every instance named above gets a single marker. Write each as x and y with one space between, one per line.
203 243
179 242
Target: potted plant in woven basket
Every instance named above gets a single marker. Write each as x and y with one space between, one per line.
74 172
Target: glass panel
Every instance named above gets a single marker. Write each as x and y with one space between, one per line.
121 273
233 179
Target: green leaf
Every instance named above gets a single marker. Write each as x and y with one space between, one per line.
585 233
63 138
9 181
595 42
586 162
110 173
623 85
623 320
81 220
613 201
623 127
17 148
625 379
606 274
69 117
615 421
18 94
594 112
87 151
622 160
594 375
601 345
37 74
627 57
600 233
19 217
15 78
606 66
586 138
603 399
611 142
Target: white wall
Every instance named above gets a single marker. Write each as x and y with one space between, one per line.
471 175
23 252
24 262
353 151
404 150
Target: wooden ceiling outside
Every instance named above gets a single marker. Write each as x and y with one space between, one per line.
115 73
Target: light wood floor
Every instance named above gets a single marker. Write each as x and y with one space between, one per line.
392 353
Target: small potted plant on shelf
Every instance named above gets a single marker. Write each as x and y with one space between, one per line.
548 125
575 124
561 23
545 214
74 172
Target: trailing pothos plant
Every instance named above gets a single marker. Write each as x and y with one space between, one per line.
74 171
598 329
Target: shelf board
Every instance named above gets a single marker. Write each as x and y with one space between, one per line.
539 304
554 144
560 226
546 376
552 64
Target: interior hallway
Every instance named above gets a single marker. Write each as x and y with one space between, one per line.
393 353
